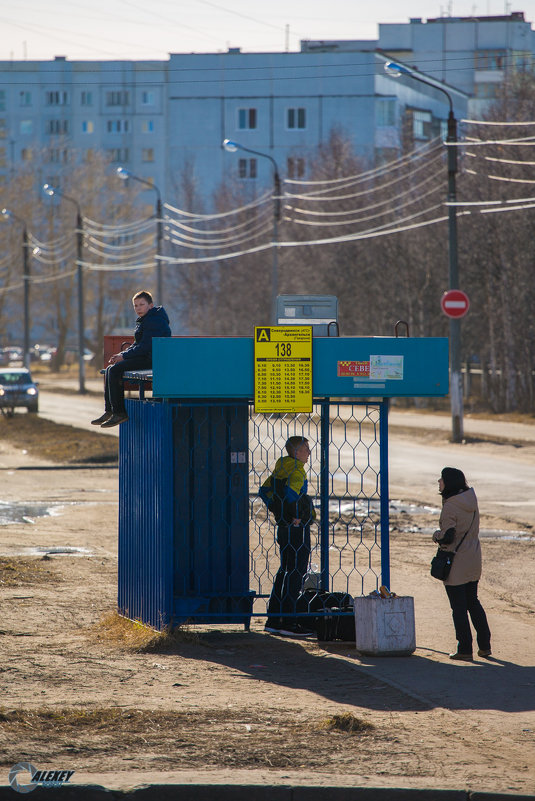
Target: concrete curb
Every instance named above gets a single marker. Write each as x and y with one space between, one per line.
253 792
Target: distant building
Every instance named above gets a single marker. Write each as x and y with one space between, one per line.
165 120
474 54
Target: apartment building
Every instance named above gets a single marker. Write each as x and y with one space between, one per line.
165 120
473 54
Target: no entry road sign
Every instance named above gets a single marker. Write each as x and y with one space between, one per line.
455 303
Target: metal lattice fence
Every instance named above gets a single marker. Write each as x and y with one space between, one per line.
349 549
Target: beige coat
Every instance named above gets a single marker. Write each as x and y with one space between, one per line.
461 513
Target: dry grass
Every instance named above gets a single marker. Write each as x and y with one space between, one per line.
241 738
15 572
135 637
58 443
346 722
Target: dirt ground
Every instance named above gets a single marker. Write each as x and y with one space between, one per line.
220 704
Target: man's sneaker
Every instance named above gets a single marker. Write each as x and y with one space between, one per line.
272 629
297 632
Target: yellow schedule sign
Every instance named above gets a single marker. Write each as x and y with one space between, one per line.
283 368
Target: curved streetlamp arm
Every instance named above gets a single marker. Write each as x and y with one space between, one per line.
232 146
125 174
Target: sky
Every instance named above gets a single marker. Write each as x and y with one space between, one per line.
140 29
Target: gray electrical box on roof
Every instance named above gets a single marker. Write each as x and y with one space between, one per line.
319 311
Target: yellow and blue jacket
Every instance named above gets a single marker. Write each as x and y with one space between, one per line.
285 492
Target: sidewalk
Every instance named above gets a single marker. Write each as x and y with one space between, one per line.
473 427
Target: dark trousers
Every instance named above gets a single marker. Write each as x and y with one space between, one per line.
294 545
464 601
114 385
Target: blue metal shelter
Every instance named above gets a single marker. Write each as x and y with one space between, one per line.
195 542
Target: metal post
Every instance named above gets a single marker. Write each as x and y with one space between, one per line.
385 492
456 388
159 240
275 264
7 214
324 492
231 147
81 320
125 174
26 280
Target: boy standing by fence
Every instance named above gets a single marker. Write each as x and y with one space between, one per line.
285 493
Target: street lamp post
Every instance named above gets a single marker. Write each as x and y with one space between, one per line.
232 147
456 391
7 214
125 174
51 191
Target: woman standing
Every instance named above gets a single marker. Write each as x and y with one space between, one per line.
460 517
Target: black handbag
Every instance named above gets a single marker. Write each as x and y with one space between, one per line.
441 564
442 561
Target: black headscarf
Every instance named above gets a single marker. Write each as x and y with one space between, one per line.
454 482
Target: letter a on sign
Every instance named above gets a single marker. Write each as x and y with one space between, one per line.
263 335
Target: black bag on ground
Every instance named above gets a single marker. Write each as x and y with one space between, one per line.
315 600
336 626
441 564
329 624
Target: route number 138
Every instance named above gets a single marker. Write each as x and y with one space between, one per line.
284 348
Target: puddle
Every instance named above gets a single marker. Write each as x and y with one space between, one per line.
26 512
50 550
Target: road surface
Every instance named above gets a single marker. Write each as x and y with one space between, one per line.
502 474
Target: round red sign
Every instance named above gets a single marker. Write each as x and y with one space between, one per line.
455 303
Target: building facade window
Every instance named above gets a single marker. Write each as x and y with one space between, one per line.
147 98
88 126
247 168
26 127
295 167
385 112
58 97
486 91
57 127
147 154
2 100
296 118
120 97
58 155
118 155
26 154
421 124
247 118
490 59
2 157
147 126
25 99
118 126
3 128
86 98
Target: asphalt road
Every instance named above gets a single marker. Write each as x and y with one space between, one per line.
503 475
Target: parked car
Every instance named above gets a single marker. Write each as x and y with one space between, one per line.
17 389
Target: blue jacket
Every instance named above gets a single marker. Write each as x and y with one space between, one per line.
155 323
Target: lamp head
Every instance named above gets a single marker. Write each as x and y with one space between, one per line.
123 173
49 190
230 146
396 70
6 214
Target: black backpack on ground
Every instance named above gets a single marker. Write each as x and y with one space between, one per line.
335 621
